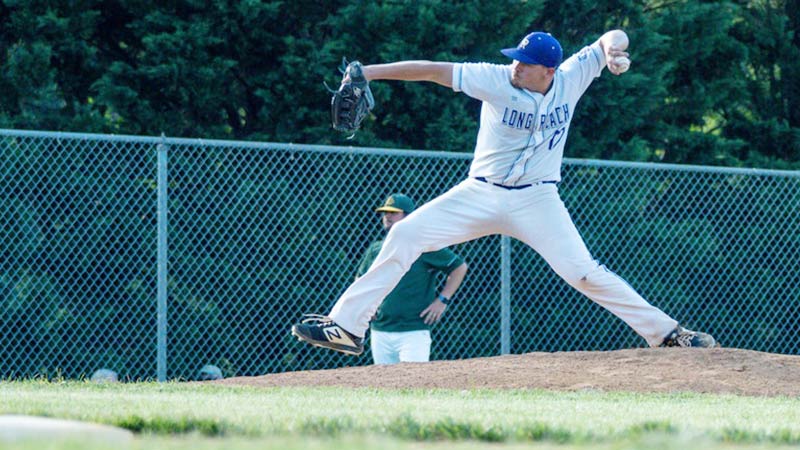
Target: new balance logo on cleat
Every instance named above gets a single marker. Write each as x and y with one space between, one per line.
321 331
336 334
681 337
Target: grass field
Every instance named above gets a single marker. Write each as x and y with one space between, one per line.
179 416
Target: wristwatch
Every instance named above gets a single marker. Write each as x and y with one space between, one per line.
444 299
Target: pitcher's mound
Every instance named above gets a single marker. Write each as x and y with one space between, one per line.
715 370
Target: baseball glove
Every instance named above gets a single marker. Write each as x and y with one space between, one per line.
353 100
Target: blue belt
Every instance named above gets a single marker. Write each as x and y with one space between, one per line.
512 188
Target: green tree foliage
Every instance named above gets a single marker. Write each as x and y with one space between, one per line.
50 58
712 82
424 115
768 117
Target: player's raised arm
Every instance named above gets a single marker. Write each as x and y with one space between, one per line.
437 72
353 101
614 44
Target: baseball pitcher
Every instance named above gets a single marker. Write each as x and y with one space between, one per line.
512 188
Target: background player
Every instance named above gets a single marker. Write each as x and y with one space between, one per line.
527 108
401 328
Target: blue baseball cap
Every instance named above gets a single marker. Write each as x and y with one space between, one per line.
537 48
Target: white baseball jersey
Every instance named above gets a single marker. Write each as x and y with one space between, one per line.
522 133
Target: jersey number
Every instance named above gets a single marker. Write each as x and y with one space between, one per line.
556 137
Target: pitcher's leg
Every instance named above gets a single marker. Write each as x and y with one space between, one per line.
616 295
548 229
357 305
451 218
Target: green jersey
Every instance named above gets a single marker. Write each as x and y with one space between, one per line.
415 291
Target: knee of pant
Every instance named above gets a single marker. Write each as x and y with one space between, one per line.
596 277
402 244
405 238
585 276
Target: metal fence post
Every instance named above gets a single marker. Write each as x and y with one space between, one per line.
161 292
505 295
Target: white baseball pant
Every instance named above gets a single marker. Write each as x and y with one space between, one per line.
392 347
472 209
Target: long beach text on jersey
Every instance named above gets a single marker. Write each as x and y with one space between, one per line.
522 120
522 134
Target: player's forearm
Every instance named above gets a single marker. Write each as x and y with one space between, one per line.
437 72
454 280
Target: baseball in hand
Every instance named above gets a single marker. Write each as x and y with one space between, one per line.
623 63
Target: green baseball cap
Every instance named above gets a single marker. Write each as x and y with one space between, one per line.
397 203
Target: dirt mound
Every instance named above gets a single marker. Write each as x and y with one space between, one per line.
717 370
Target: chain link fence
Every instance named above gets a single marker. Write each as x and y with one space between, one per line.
155 256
